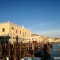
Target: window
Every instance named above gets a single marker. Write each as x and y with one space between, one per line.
16 31
3 30
12 28
20 32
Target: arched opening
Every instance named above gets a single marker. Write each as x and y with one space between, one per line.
3 30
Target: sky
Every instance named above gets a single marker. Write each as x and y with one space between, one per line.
40 16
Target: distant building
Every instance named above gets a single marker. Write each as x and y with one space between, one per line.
51 40
36 38
45 39
56 40
13 30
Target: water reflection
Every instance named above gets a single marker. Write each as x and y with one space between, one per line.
55 51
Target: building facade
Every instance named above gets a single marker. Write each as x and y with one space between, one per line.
13 30
36 38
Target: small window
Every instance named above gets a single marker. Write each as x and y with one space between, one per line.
3 30
16 31
20 32
12 28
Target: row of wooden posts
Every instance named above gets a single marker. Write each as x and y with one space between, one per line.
18 50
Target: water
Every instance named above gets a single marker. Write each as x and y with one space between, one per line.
55 51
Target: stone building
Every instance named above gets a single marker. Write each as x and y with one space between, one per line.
36 38
13 30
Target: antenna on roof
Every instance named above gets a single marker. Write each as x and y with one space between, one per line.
9 21
23 26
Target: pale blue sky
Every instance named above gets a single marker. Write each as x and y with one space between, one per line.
41 16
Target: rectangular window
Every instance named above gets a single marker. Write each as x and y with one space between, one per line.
20 32
16 31
12 28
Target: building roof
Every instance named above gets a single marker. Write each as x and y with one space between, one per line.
34 35
15 25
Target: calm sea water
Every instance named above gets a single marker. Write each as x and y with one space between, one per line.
55 53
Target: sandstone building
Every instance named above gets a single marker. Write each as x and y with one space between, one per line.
13 30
